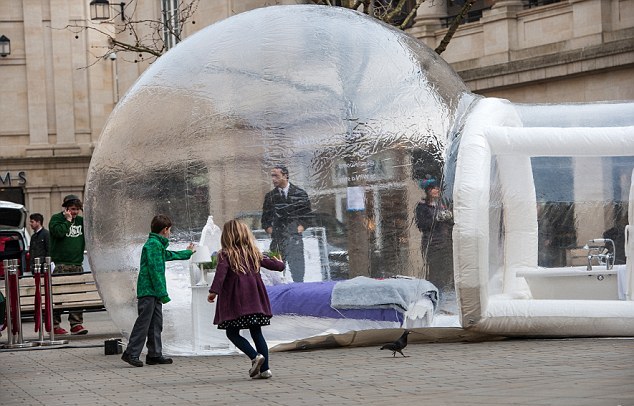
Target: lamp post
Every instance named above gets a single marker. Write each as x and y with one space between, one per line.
5 46
99 10
122 5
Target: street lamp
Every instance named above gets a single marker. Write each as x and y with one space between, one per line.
99 10
5 46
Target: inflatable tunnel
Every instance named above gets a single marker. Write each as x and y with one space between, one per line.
525 176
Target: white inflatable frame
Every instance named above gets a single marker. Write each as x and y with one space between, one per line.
498 301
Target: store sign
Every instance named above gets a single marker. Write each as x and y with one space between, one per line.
13 178
369 170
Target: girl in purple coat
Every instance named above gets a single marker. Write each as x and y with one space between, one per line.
242 298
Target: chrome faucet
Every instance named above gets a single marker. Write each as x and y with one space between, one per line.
603 254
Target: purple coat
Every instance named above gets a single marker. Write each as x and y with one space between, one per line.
241 294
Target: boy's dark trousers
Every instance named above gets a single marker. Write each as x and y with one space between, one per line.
148 325
75 318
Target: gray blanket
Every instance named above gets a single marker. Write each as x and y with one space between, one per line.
397 293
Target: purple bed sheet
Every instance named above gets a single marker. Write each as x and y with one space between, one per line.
313 299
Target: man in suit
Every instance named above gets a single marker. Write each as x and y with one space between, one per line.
39 247
286 213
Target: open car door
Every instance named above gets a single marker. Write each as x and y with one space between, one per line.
629 244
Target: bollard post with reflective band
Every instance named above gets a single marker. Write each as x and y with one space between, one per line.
13 289
37 304
48 305
7 264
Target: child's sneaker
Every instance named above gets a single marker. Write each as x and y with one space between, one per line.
263 375
78 330
59 331
256 363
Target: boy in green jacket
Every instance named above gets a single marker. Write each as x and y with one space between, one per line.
151 291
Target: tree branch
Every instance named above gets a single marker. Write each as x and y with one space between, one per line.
395 11
153 44
138 48
411 15
454 27
146 36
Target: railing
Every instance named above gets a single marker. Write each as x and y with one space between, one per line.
476 15
472 16
537 3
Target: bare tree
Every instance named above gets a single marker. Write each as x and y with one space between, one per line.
392 12
454 26
146 39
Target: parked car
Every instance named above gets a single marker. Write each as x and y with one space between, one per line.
14 238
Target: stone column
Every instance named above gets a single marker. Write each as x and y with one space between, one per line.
63 74
500 29
427 21
590 20
35 62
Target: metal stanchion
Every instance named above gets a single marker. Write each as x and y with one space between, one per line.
7 291
12 284
48 305
37 304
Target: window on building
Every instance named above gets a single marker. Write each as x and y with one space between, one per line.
474 14
171 23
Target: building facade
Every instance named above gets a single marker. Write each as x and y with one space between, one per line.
60 87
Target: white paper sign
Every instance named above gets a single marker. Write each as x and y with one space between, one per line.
356 198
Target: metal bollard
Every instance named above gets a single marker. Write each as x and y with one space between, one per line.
37 304
6 264
12 284
48 304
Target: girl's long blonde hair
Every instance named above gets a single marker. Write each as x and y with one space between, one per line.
238 244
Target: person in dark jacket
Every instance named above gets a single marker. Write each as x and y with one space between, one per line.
67 253
40 240
242 298
286 213
435 220
151 291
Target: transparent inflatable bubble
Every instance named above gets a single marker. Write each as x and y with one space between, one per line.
357 111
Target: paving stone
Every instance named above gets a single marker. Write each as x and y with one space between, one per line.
563 372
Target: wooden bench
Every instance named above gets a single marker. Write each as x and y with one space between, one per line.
70 292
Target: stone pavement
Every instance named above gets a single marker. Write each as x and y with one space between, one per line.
509 372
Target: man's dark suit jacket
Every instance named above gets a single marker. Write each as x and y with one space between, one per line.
284 215
39 247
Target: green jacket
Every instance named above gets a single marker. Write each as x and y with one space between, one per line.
67 240
151 281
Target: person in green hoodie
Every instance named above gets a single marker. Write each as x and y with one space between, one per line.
151 291
67 246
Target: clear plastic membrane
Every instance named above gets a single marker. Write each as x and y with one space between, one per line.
364 117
